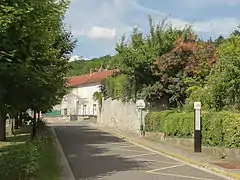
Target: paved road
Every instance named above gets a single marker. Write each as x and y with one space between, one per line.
93 154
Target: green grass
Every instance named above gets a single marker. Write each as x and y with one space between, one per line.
21 158
49 170
20 136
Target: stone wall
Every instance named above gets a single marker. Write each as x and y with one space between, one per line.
123 116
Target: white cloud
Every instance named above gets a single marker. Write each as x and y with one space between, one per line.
91 18
217 26
99 20
97 32
76 57
204 3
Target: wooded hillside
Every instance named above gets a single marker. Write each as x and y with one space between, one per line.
80 67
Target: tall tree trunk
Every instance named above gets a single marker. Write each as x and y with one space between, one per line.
38 115
17 119
34 125
3 127
20 120
10 125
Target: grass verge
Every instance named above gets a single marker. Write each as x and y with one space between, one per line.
49 169
23 159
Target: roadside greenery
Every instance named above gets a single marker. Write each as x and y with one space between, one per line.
177 65
218 128
24 159
163 64
34 53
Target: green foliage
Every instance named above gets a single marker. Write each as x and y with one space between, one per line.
218 128
98 96
136 59
228 74
221 129
179 124
155 120
34 51
20 162
31 159
119 87
79 67
158 65
199 94
221 90
170 122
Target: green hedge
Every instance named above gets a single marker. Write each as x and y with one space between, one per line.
218 128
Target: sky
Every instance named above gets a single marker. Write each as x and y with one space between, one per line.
99 24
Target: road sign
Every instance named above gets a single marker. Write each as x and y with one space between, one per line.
197 105
140 104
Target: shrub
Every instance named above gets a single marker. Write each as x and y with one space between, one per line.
179 124
221 129
154 121
218 128
22 161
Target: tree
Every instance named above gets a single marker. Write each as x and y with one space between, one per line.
35 48
236 32
79 67
219 41
161 65
225 90
136 59
187 64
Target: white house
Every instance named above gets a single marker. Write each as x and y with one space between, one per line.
80 99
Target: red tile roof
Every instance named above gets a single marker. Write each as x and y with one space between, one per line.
95 77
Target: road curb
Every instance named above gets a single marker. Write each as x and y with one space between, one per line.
65 169
204 167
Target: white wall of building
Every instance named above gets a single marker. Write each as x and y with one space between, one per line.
80 101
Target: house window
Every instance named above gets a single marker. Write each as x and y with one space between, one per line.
94 109
84 109
65 112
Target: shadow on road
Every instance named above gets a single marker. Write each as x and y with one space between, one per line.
87 160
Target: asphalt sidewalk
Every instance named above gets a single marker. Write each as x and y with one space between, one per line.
198 160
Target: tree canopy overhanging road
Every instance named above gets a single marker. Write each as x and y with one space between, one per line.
34 49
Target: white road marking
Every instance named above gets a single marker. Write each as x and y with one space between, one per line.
128 140
123 143
168 167
182 176
118 149
138 155
127 146
166 162
176 159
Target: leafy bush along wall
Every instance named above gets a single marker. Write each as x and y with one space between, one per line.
218 128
